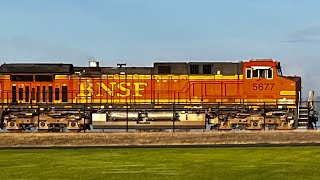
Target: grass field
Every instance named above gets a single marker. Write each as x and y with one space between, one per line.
158 163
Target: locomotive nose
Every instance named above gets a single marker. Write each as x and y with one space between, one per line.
297 80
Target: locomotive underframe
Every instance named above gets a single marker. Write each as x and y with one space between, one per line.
77 117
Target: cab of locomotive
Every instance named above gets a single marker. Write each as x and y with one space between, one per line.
265 82
293 87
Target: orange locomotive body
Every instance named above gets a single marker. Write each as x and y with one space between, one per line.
263 83
179 95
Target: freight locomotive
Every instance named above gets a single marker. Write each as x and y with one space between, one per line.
250 95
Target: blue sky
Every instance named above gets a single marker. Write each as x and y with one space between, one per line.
140 32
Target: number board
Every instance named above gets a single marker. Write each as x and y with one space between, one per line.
262 86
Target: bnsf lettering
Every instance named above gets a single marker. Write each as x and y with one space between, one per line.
122 89
262 87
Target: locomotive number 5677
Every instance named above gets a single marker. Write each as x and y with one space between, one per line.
262 86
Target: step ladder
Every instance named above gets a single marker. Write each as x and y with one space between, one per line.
1 118
303 117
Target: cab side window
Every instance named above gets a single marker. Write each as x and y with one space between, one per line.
270 74
255 73
249 73
265 73
262 73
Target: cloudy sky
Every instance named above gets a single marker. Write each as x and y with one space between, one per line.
139 32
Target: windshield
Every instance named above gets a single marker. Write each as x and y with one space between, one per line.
279 71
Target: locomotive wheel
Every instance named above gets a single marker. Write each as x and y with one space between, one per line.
11 124
42 124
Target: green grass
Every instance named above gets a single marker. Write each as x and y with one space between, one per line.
170 163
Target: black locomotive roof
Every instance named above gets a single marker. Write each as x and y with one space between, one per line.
25 68
113 70
225 68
